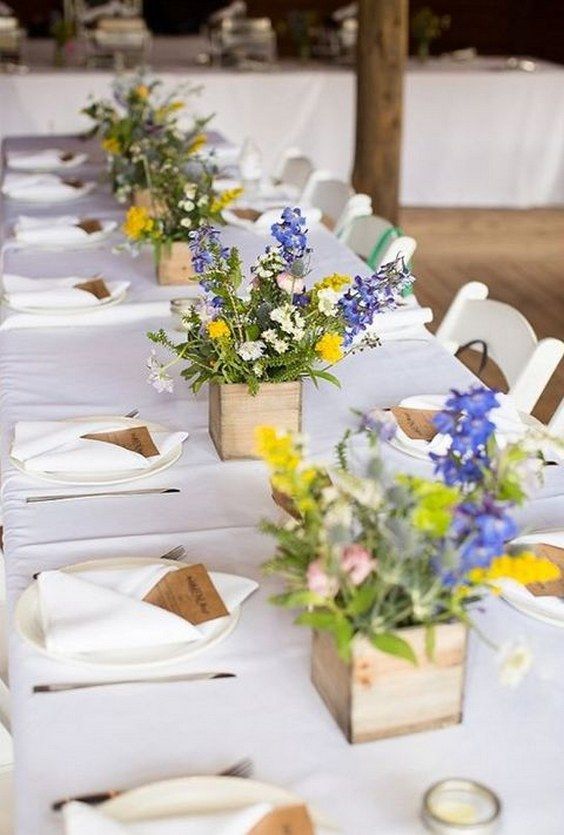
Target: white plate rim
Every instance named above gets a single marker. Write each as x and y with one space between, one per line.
28 600
92 240
533 606
126 806
86 188
119 477
64 311
81 159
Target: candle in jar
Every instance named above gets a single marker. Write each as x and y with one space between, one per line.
458 806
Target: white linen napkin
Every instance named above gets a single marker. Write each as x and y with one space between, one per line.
393 322
44 187
55 292
44 160
509 426
118 315
57 446
103 609
81 819
57 231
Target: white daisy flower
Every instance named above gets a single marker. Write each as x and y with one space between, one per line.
158 375
251 350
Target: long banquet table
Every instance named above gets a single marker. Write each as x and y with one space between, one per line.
474 134
87 741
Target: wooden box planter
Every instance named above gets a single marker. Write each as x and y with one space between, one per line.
378 695
234 414
174 264
142 197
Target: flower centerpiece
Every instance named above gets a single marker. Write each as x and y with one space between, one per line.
255 342
387 567
139 133
184 204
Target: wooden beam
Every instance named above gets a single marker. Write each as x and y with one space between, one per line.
381 55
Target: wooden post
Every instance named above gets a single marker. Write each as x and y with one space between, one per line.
381 54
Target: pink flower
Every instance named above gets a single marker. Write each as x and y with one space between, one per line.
290 284
319 581
358 563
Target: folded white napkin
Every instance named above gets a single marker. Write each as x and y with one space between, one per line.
103 609
57 231
509 426
44 160
393 322
55 292
56 446
81 819
548 605
118 315
43 187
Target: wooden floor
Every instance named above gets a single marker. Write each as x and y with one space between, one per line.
518 254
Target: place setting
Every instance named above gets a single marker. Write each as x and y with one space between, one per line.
45 159
45 188
63 232
61 296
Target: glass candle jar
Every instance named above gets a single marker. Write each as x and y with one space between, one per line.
178 309
461 807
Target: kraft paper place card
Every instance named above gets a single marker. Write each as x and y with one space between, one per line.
96 286
190 593
66 156
90 225
554 588
136 439
416 423
73 183
247 214
286 820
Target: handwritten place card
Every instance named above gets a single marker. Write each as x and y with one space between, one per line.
416 423
96 286
66 156
190 593
73 183
247 214
89 225
286 820
554 588
136 439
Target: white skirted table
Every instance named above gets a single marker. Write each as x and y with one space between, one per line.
88 741
474 134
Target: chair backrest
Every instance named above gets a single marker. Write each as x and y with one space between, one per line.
402 246
364 233
358 205
295 170
526 363
327 193
556 425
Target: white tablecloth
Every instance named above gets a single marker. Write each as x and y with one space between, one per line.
88 741
474 135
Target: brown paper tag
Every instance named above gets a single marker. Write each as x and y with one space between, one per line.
190 593
96 286
73 183
136 439
247 214
66 156
554 588
287 820
416 423
90 225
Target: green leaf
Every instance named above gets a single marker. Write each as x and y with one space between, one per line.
363 600
325 375
317 620
343 632
293 599
430 641
394 645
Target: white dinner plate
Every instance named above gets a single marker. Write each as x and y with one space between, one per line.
547 609
108 226
102 479
77 159
422 453
62 197
110 301
197 795
28 623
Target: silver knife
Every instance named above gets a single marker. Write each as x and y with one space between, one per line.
61 497
61 688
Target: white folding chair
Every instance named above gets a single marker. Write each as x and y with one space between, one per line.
294 170
326 193
556 423
364 233
358 205
403 246
526 362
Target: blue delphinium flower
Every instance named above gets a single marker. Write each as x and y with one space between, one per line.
481 530
363 300
206 248
291 234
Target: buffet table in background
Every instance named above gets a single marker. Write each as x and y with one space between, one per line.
92 740
474 134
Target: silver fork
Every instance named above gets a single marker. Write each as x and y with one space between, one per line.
244 768
132 414
175 553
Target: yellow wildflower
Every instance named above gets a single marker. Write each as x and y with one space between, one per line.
176 105
138 222
198 142
333 282
217 329
330 347
142 91
111 145
525 568
277 448
225 198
